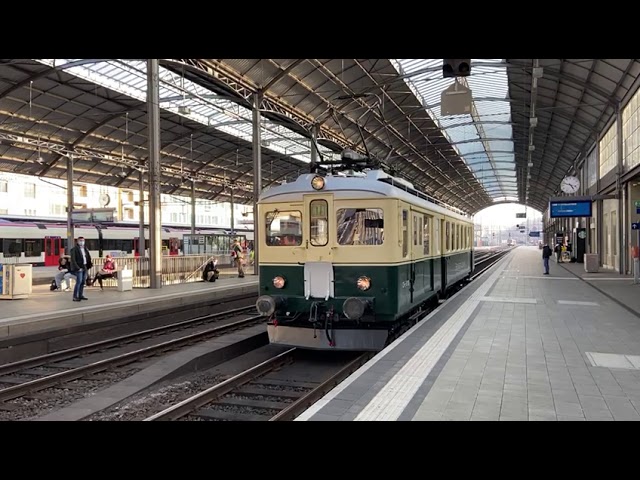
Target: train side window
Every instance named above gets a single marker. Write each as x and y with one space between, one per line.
447 235
283 228
405 233
420 231
360 226
33 248
457 237
319 222
425 234
415 230
12 247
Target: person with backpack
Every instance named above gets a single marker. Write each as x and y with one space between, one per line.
546 254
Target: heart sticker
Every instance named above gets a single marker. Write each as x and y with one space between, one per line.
22 275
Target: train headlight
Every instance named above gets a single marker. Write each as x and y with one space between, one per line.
364 283
279 282
317 182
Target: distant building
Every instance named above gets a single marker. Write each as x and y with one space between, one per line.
25 196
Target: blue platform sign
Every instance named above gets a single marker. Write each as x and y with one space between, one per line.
570 209
635 226
534 234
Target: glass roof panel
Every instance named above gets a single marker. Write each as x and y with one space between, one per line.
489 86
190 100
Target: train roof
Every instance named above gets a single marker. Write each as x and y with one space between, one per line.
374 182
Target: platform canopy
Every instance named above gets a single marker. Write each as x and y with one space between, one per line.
95 109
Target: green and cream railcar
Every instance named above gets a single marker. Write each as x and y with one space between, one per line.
344 258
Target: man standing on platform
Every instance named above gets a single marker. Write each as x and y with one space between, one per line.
80 266
546 254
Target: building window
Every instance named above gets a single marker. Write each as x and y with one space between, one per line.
631 132
4 211
80 191
3 186
128 213
609 150
57 209
30 190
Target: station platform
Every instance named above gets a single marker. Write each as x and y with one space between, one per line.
513 345
45 310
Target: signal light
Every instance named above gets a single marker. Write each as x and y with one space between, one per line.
456 67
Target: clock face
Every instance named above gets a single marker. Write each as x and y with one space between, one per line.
570 184
104 199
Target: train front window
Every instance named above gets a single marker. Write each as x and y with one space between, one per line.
283 228
360 226
319 222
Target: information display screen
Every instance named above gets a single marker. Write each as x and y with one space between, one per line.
570 209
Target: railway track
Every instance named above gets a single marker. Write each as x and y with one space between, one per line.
57 369
487 261
269 391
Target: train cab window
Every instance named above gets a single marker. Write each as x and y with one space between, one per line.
319 222
360 226
426 235
283 228
405 233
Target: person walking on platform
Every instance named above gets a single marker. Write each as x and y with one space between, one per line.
546 254
558 251
80 266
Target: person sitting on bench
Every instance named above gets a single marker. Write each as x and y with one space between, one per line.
107 271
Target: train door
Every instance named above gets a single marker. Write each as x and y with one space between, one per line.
445 233
415 223
174 246
52 251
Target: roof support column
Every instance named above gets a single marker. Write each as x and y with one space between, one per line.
141 240
193 207
622 211
233 219
257 182
153 112
70 235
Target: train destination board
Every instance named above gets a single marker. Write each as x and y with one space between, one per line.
570 209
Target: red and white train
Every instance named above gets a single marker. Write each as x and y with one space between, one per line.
41 241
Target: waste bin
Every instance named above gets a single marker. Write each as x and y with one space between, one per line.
125 280
591 264
15 281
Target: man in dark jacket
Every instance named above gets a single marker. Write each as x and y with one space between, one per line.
80 266
546 253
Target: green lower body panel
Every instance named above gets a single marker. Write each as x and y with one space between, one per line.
395 292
